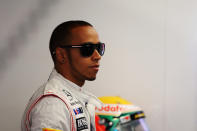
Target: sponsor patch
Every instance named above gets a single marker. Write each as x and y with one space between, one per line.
75 103
78 110
125 119
68 94
116 109
81 123
49 129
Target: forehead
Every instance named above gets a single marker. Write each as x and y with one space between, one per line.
84 34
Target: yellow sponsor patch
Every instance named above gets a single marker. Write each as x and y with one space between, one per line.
49 129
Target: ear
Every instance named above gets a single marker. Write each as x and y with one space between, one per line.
61 56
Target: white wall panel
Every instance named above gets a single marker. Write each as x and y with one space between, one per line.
181 106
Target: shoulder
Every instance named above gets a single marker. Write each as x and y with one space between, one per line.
49 104
50 112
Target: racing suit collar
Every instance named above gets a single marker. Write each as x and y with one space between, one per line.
63 80
85 95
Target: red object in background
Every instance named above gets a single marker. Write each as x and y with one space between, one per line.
99 127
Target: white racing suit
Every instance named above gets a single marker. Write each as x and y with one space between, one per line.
60 105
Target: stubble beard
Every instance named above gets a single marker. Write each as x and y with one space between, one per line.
81 76
84 77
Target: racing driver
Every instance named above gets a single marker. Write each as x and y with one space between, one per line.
61 104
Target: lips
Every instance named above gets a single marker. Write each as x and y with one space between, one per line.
95 67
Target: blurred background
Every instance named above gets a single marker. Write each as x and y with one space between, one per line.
150 58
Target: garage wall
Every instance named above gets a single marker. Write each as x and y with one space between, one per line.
150 56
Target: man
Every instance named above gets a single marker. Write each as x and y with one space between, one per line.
61 104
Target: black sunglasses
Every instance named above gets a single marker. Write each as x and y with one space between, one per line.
87 49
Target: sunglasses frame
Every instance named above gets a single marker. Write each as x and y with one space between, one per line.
85 45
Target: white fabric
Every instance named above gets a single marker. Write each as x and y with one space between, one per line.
52 105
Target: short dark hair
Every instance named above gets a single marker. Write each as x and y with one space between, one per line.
62 34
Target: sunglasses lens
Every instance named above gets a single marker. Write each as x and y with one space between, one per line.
87 50
101 48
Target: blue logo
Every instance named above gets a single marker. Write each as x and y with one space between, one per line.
78 110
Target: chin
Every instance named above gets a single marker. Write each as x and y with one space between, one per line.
91 79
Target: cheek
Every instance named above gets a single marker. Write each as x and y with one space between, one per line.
82 64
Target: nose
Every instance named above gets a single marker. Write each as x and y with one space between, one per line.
96 56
